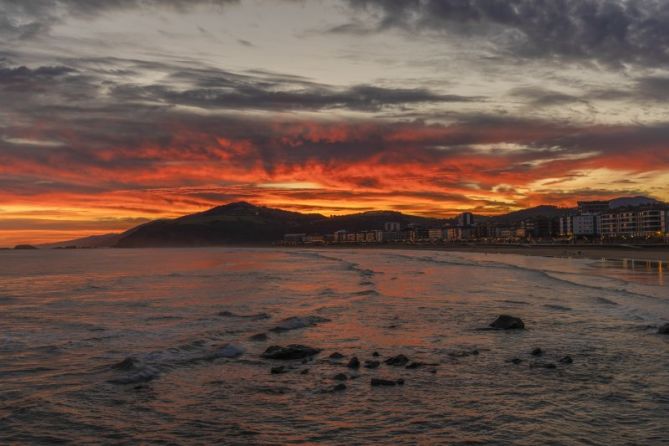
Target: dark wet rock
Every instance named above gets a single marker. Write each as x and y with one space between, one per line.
566 360
129 363
254 317
372 364
398 361
506 322
340 377
227 351
354 363
336 355
339 387
278 370
258 337
293 351
537 352
375 354
433 371
304 372
415 365
297 322
664 329
376 382
516 361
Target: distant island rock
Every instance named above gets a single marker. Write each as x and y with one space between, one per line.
25 247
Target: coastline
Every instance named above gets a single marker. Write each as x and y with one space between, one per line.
610 252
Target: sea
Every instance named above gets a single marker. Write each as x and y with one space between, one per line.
165 347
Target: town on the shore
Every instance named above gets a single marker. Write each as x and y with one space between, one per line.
591 221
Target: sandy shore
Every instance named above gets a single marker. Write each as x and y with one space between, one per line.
613 252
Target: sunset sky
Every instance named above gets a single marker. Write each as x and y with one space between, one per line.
113 112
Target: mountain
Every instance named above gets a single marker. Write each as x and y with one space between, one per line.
94 241
537 211
239 222
632 202
244 223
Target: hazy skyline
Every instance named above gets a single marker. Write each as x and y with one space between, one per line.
115 112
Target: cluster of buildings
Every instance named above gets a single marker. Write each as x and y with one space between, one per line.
596 219
592 220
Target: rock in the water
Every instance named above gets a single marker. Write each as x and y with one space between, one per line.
354 363
414 365
537 352
336 355
304 372
254 317
227 351
386 382
297 322
278 370
293 351
664 329
339 387
129 363
506 322
398 360
516 361
340 377
566 360
375 354
463 353
258 337
372 364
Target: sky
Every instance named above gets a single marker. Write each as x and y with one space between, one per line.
116 112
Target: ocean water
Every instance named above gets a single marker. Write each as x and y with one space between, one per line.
68 317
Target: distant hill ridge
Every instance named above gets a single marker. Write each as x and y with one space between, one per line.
242 222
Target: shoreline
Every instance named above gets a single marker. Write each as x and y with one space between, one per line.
599 252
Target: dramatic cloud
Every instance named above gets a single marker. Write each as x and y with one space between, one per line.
612 32
114 112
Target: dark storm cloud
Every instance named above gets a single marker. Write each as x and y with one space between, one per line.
22 19
360 97
612 32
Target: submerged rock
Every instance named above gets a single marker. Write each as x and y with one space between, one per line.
415 365
336 355
129 363
375 382
506 322
375 354
258 337
297 322
293 351
304 372
664 329
278 370
254 317
227 351
372 364
537 352
339 387
566 360
516 361
397 361
340 377
354 363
